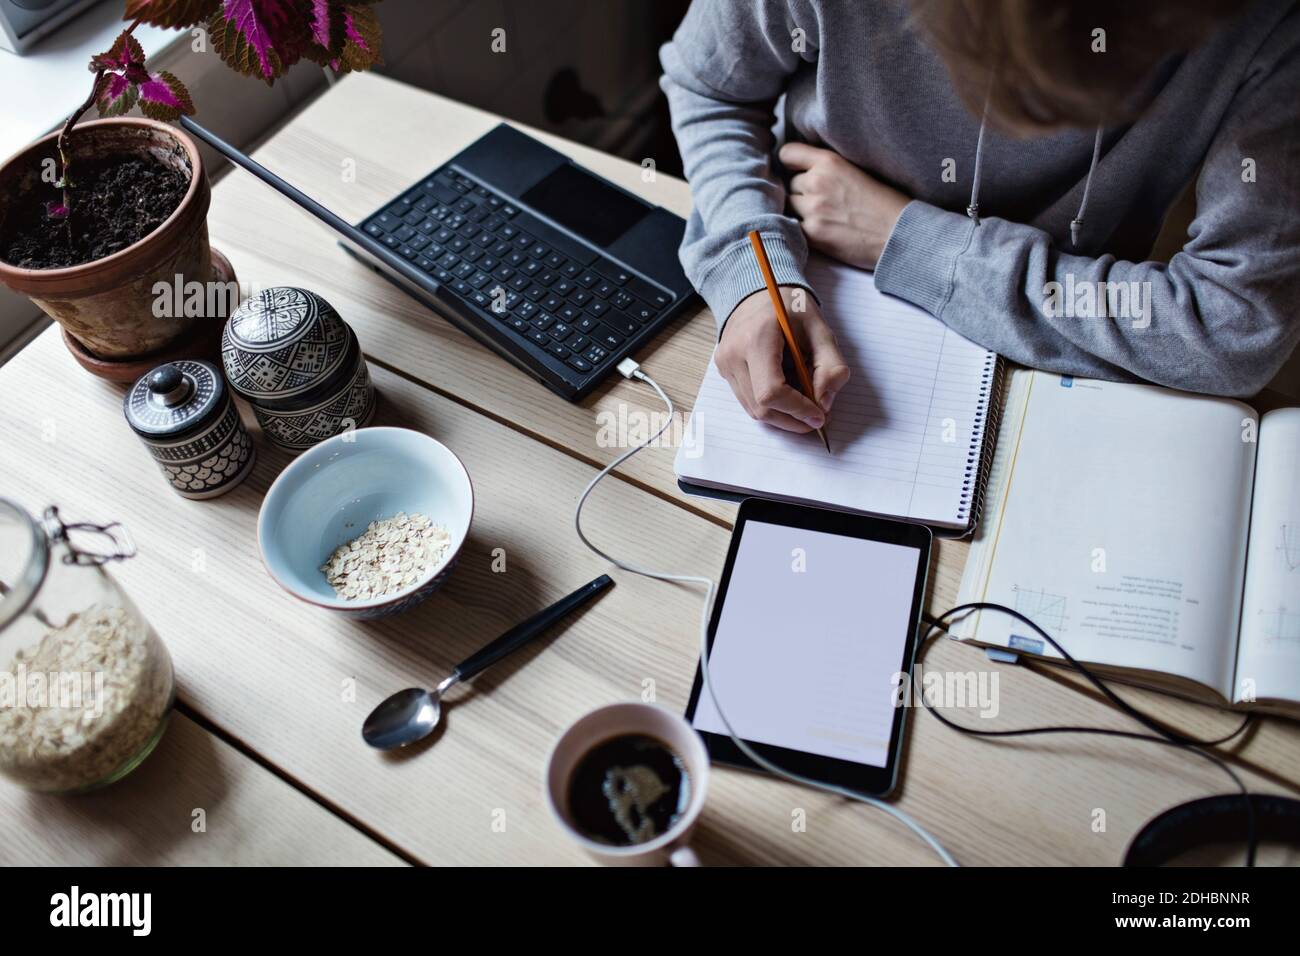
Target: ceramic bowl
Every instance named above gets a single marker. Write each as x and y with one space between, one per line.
329 494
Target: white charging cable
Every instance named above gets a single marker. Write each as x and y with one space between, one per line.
630 369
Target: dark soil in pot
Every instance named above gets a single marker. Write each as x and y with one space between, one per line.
117 202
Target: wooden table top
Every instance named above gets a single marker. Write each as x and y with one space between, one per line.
267 739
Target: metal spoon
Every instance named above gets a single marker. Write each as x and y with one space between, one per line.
412 714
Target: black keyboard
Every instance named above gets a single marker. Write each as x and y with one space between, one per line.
552 304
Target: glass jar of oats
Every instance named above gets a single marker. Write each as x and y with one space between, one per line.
86 686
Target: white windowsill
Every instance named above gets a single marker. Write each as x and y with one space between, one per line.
53 77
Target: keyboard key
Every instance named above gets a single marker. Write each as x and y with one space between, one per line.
561 331
520 283
503 273
564 287
580 363
571 270
568 313
537 251
473 254
509 211
648 293
407 252
479 279
558 350
608 338
531 268
526 310
598 308
404 233
457 243
621 323
464 270
578 343
540 337
595 355
587 324
506 231
616 274
621 300
588 279
391 242
643 313
546 278
484 239
555 260
375 231
463 206
418 241
501 250
552 302
605 289
469 230
579 297
444 194
424 264
535 293
542 320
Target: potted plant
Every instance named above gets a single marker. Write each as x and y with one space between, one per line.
94 216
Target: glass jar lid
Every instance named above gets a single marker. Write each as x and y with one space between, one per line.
175 398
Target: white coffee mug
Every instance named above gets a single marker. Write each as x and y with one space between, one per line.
619 720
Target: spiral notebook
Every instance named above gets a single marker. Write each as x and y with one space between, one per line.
912 433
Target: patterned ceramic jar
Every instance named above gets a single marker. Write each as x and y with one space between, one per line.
183 413
290 354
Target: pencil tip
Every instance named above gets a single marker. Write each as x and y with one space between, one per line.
825 441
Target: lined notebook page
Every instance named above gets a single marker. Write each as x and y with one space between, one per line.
906 432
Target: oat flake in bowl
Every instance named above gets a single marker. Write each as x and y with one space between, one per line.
393 554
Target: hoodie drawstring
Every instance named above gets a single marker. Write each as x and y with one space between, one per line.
1076 224
973 210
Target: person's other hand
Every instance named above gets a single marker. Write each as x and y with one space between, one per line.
752 347
845 213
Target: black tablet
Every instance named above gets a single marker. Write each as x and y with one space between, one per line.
813 633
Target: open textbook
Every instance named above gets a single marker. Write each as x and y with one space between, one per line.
1154 534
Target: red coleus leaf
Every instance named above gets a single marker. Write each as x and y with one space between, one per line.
115 95
164 97
345 36
170 14
125 50
56 210
362 38
260 38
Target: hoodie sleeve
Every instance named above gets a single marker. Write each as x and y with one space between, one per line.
724 70
1222 315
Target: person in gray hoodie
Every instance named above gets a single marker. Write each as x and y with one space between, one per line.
1005 165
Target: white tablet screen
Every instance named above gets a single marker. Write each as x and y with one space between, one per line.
810 641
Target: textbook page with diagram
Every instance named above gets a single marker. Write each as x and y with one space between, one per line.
1153 533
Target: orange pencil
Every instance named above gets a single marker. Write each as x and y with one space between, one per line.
778 305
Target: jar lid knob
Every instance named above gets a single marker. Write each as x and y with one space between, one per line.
167 385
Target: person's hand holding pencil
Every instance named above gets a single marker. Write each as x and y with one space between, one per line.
750 354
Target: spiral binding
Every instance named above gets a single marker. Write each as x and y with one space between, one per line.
979 460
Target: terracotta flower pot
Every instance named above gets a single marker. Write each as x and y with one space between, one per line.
107 305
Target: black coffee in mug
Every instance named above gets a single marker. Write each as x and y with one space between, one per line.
628 790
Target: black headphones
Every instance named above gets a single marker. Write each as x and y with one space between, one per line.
1221 819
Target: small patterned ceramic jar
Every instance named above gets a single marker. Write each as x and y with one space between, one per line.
290 354
183 413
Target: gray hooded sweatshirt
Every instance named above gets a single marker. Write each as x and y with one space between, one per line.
1034 248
